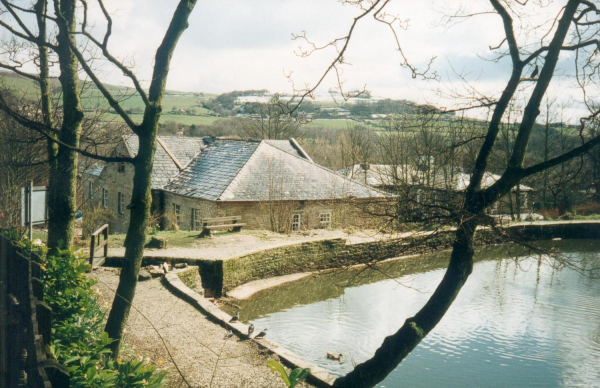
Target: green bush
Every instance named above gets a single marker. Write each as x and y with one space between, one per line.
78 341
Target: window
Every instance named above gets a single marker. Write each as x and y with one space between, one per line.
121 204
296 222
325 219
177 213
104 198
196 220
122 164
91 188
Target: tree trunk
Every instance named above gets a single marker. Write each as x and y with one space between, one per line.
141 196
397 346
63 175
46 99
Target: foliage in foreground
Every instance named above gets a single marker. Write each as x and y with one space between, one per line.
78 341
295 376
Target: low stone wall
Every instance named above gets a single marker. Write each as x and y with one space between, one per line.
335 253
218 276
323 254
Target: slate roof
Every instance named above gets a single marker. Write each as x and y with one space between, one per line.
462 181
378 175
210 174
182 148
287 146
234 170
95 172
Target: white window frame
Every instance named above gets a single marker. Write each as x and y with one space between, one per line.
177 213
121 203
325 219
196 221
296 224
91 189
104 198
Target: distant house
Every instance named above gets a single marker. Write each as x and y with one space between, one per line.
435 188
272 184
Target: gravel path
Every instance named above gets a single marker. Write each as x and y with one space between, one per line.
196 344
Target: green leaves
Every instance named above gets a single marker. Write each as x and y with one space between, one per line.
296 376
78 340
278 368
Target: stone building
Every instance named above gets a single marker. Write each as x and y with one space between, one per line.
436 187
271 184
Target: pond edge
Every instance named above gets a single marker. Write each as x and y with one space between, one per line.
318 376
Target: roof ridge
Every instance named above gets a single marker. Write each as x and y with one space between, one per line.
168 151
299 148
328 170
124 138
238 171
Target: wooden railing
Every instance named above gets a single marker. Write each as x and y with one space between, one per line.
96 244
25 323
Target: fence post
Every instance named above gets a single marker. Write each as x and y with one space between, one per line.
30 210
106 239
44 320
92 251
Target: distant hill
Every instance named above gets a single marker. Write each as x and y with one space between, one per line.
91 98
197 108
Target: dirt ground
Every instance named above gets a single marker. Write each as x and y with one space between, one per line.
197 345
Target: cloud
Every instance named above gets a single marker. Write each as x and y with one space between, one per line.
240 44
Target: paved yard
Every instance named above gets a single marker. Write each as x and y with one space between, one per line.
223 245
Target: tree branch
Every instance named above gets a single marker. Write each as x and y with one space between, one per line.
104 47
47 132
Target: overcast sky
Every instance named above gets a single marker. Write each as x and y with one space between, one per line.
246 44
241 44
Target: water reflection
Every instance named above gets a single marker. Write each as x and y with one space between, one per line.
518 321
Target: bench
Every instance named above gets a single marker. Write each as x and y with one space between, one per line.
229 223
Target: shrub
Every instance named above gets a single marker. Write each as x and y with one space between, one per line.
588 208
171 221
550 214
78 341
94 217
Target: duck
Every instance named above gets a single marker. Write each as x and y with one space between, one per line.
261 334
333 356
235 318
250 330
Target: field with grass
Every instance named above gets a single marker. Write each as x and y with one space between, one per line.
173 101
175 238
91 97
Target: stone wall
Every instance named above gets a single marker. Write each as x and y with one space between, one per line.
335 253
116 181
270 215
324 254
204 209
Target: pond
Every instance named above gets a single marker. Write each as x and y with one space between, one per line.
518 322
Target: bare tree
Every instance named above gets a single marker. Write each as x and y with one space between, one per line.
272 120
64 142
574 29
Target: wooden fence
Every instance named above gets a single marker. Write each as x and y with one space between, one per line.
25 323
96 244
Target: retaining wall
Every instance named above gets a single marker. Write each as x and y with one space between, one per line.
335 253
218 276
